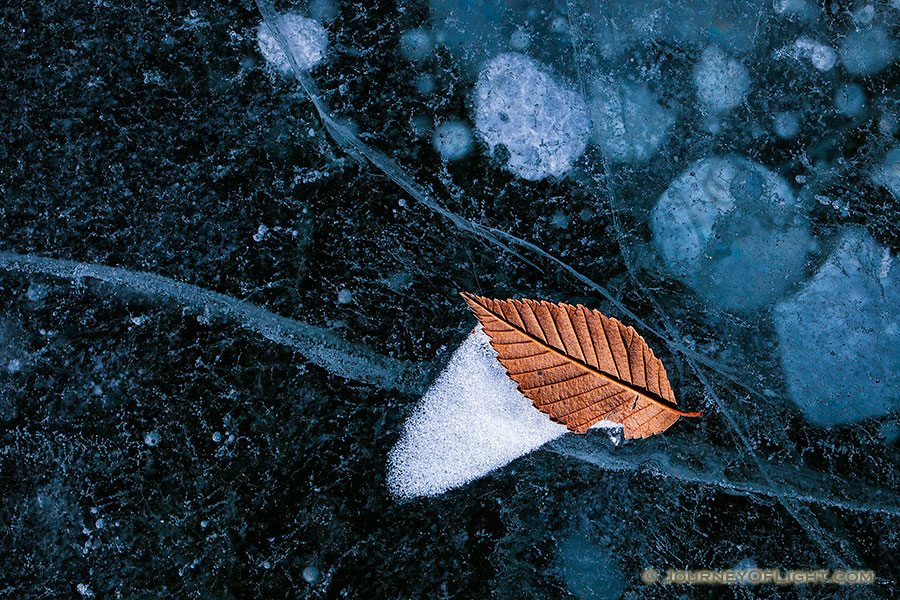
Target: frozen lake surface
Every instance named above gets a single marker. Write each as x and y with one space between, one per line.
234 361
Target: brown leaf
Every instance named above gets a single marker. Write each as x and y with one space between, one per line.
578 366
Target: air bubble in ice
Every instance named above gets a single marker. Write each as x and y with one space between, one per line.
887 173
839 336
867 51
310 574
416 45
786 124
850 99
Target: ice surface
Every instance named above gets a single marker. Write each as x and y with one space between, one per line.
475 30
628 122
471 421
867 51
733 231
722 82
839 337
306 36
803 10
543 125
215 316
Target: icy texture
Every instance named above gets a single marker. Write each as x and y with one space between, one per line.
868 51
589 570
722 82
306 36
629 123
839 337
474 29
543 125
887 173
471 421
223 290
732 230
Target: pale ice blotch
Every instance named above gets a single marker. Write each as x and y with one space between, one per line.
416 45
867 51
721 82
543 125
786 124
307 39
850 100
629 124
452 140
887 173
588 568
822 57
471 421
839 336
733 231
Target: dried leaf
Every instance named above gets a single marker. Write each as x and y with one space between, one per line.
578 366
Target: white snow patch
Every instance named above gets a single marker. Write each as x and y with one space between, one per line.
471 421
543 125
306 36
